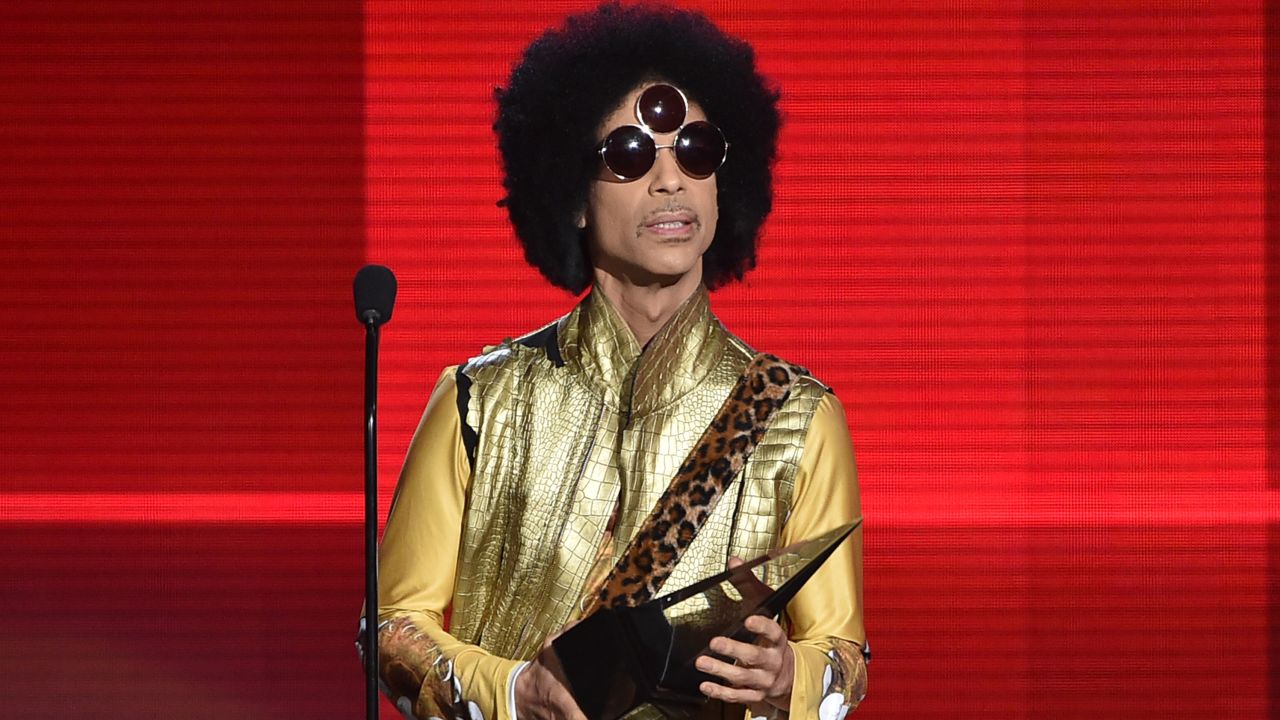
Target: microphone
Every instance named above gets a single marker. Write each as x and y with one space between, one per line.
375 294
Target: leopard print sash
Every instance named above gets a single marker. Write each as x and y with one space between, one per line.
703 477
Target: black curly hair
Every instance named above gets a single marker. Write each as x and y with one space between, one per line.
571 78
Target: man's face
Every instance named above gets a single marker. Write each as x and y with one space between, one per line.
652 230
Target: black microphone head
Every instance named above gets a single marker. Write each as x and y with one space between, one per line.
375 292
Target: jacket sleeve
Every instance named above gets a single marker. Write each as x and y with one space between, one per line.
824 620
423 669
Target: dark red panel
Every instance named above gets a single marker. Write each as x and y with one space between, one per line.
183 209
181 212
1271 131
180 621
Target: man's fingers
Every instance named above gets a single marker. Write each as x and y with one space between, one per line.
735 561
541 690
752 669
736 675
745 653
742 696
767 629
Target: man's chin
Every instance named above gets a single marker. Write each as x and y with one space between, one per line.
656 278
665 278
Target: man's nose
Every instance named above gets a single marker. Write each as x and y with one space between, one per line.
668 178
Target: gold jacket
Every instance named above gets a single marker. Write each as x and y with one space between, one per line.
570 435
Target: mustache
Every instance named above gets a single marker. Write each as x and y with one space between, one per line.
671 208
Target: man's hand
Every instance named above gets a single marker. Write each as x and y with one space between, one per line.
761 673
541 691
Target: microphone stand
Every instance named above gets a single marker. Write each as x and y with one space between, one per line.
374 291
371 514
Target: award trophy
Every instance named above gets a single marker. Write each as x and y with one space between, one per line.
619 658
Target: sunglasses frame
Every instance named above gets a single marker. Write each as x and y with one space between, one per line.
648 131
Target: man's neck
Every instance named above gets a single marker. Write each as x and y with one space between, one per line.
646 308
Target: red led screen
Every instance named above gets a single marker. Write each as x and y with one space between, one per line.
1026 243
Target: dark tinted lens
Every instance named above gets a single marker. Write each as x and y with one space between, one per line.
700 148
661 108
628 152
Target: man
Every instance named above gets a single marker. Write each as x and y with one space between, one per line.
637 145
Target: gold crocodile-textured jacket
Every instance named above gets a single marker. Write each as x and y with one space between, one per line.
532 468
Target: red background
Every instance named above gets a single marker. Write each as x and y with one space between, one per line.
1026 243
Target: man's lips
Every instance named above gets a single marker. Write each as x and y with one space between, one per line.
671 224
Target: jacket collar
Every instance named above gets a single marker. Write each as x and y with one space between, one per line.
596 341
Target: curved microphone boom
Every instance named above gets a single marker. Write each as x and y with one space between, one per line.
375 295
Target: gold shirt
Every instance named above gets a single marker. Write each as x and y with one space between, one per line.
577 422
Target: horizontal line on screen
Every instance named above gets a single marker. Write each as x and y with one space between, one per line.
934 508
187 508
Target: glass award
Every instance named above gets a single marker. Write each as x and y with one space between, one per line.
620 658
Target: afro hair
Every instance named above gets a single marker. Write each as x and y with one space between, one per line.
570 78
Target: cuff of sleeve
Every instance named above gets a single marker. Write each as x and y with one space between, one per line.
806 688
511 689
486 681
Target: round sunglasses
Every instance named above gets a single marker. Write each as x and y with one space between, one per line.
629 151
